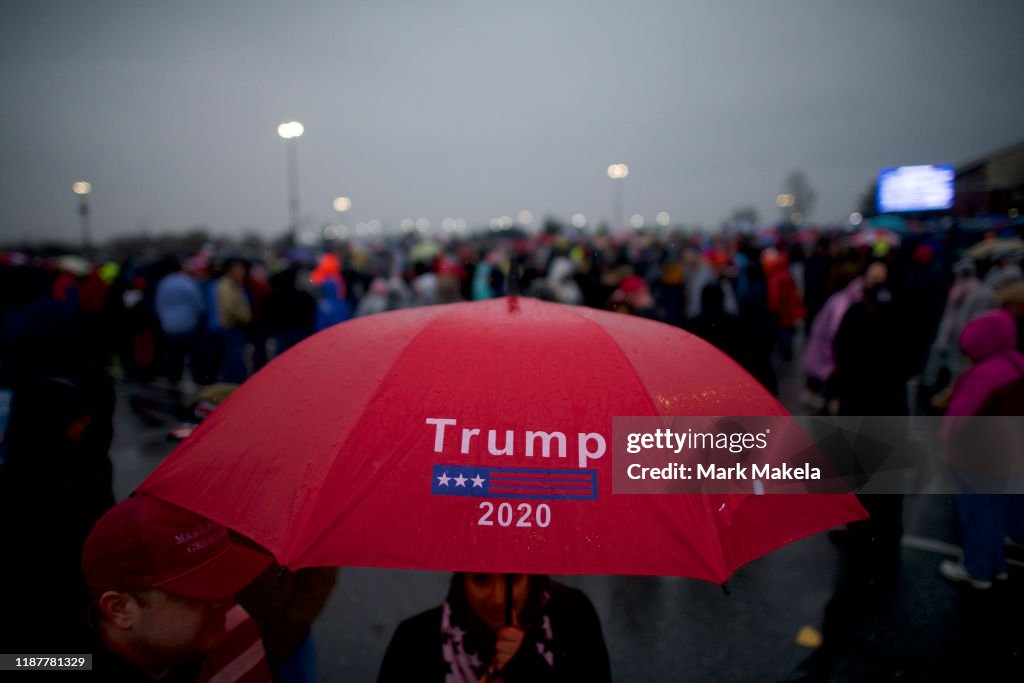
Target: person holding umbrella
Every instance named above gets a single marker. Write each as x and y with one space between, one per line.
162 585
501 627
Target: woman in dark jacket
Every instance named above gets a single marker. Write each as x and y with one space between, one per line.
555 635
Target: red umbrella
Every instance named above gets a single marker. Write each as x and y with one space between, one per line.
371 444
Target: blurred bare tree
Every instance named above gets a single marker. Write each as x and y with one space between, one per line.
800 198
745 215
868 206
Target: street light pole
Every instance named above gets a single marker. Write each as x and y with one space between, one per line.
290 132
293 185
617 172
82 189
617 205
341 205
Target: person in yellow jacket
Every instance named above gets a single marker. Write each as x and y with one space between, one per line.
234 314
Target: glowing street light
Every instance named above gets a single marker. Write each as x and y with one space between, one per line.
784 201
618 171
663 218
500 223
342 204
82 189
290 132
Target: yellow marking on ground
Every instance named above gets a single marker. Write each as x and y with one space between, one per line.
808 637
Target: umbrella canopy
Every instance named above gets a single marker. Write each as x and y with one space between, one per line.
873 236
74 264
806 236
301 255
889 221
986 248
373 444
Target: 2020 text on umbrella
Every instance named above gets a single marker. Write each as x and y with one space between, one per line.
542 516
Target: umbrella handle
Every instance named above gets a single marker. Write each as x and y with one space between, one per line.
508 599
512 280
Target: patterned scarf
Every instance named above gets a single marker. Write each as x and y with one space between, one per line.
468 649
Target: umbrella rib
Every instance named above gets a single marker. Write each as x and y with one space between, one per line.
722 561
618 349
319 486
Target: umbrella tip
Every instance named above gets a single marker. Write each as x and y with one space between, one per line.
725 588
513 304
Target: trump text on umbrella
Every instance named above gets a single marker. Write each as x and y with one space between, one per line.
529 483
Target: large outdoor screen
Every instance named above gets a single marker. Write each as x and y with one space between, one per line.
915 188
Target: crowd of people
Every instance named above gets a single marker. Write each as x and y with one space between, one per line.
874 312
222 316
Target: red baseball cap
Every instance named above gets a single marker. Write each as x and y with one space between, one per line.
143 542
632 284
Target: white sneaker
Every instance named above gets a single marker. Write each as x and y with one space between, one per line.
956 572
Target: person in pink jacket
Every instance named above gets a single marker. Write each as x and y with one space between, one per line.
992 386
818 362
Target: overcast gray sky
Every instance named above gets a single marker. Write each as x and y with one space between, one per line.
477 109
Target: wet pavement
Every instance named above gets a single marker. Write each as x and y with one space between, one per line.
891 619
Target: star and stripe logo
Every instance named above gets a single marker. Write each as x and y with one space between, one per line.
513 482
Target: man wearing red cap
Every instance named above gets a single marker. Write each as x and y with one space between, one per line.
162 583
